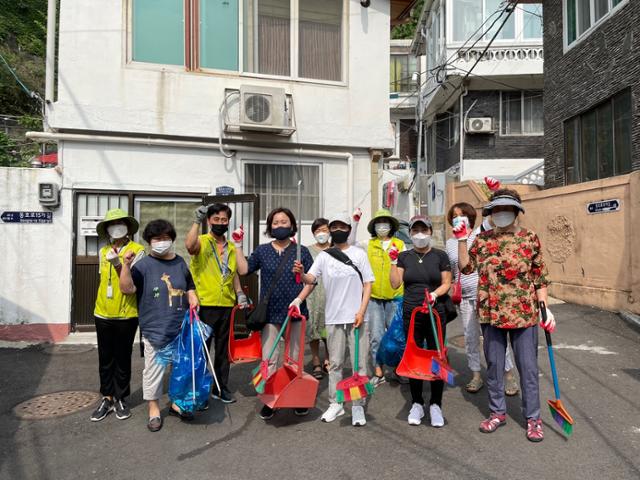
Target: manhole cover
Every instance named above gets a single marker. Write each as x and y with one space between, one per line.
457 341
56 404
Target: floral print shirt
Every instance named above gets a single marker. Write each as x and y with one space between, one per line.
510 270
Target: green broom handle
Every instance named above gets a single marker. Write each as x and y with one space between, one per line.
280 333
552 362
433 322
356 338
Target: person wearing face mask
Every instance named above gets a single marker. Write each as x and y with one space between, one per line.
165 291
422 268
347 280
464 212
116 315
214 266
276 262
512 283
316 331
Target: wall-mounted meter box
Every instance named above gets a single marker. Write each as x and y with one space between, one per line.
49 194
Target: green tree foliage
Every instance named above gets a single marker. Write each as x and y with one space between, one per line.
408 30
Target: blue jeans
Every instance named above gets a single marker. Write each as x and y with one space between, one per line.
380 313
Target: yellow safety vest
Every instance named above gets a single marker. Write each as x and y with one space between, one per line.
214 288
118 305
381 266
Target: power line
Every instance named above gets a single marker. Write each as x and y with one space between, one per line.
31 93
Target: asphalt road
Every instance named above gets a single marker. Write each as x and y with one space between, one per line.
599 365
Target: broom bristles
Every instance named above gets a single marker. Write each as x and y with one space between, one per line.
563 423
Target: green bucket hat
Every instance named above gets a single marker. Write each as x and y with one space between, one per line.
117 214
386 214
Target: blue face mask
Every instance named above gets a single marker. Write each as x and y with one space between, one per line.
281 233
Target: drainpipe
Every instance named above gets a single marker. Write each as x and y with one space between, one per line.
49 91
76 137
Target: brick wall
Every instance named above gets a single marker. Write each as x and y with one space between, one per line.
490 146
597 67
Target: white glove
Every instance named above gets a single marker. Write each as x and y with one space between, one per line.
113 258
550 326
296 303
200 214
434 297
242 300
237 236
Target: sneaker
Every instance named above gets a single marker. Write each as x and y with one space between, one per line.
415 414
122 410
358 418
334 411
301 412
105 407
492 423
377 381
266 413
435 412
534 430
225 397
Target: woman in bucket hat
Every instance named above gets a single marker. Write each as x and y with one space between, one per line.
116 314
512 283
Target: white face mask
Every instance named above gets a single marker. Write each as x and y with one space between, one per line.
161 247
503 219
322 238
117 231
382 229
486 224
421 240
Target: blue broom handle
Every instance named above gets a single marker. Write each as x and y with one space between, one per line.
552 361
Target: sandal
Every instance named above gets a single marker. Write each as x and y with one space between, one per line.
511 387
474 385
317 372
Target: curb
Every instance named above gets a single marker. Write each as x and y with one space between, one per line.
631 318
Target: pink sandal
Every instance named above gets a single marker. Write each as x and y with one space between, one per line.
534 430
492 423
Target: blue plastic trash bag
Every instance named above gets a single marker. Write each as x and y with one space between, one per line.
394 340
190 383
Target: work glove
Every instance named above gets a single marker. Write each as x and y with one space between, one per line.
461 231
433 296
492 183
200 214
296 303
242 300
357 215
237 236
393 253
458 220
550 326
113 258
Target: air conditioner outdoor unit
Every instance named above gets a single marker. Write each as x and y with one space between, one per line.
479 125
263 109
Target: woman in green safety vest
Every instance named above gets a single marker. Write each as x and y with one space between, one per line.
116 314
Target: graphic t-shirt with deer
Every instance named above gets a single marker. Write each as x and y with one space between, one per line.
161 289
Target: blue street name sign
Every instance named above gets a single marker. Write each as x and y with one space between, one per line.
224 190
604 206
27 217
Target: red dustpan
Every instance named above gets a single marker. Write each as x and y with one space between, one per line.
243 350
290 386
417 362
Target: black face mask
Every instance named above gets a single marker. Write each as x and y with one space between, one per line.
339 236
219 229
281 233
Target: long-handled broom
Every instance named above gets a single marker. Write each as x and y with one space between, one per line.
260 373
356 386
558 412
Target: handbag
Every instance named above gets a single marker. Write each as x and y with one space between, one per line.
456 291
257 319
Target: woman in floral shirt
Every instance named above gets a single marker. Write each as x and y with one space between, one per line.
512 282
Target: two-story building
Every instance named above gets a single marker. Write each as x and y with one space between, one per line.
481 100
160 105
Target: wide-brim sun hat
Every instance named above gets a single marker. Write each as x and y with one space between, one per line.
342 217
420 219
113 215
386 214
503 201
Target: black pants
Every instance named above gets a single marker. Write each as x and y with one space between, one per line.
218 318
115 342
423 332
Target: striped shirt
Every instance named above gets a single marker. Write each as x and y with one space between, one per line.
469 282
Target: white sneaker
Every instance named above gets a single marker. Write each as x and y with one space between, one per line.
358 418
415 414
437 420
334 411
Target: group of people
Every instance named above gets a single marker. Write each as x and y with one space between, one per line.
346 286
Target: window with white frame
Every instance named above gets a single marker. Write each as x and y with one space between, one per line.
474 19
277 185
250 36
521 113
581 16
